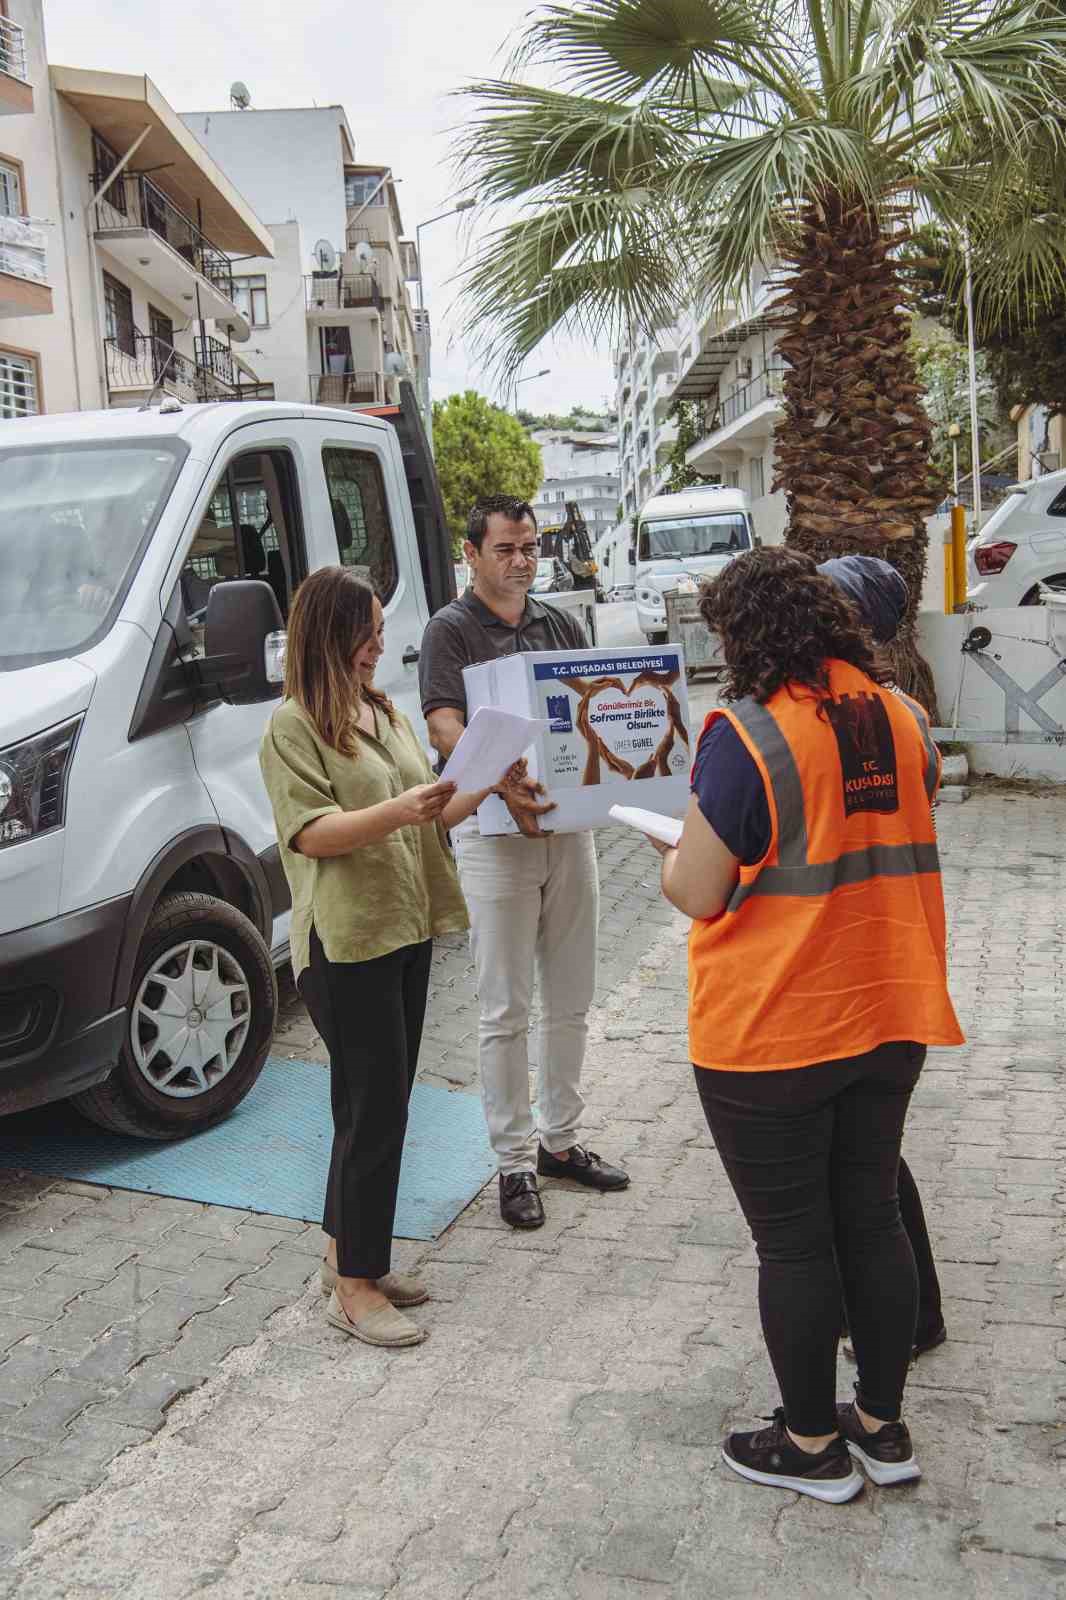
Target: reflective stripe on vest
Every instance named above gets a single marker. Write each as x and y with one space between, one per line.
795 874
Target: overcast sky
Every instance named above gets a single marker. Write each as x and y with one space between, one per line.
392 66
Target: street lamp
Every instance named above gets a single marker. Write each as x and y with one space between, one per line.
543 373
464 205
421 336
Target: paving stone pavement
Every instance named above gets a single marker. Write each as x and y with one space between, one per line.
176 1417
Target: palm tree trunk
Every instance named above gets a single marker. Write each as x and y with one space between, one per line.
853 447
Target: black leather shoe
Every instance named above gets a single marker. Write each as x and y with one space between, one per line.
584 1166
520 1203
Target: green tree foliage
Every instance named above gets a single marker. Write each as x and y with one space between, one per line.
943 370
480 450
682 476
1023 349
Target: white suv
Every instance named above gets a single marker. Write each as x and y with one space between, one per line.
1021 546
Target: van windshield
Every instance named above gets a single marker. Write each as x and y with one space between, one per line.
721 535
74 520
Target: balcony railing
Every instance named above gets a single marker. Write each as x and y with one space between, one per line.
346 389
22 249
13 50
134 201
336 293
138 361
715 413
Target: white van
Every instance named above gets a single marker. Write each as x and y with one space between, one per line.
686 536
612 556
145 558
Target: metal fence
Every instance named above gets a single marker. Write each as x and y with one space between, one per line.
346 389
337 293
13 50
134 201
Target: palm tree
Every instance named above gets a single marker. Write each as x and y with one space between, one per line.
649 154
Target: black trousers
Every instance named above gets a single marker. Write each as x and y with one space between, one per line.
813 1157
930 1305
370 1014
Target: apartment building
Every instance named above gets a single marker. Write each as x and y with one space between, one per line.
582 467
723 363
117 233
645 368
345 332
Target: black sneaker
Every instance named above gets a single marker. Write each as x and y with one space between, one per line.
769 1456
886 1456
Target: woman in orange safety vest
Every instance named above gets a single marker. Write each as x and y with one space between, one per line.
817 978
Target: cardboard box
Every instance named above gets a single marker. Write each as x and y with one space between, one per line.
619 731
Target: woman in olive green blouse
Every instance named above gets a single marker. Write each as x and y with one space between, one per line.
361 826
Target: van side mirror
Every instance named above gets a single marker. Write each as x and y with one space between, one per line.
240 632
632 555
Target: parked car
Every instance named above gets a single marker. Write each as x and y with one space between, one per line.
1022 546
682 538
552 577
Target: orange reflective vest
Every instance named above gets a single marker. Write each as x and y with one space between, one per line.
834 942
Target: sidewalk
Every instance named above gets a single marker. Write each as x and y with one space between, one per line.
559 1432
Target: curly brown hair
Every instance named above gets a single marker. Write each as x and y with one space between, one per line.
781 622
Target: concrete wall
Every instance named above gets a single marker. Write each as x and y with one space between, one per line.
1026 643
279 352
285 163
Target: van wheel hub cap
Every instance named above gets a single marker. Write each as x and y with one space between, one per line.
190 1019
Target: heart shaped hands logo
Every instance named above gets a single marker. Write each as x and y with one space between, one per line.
634 730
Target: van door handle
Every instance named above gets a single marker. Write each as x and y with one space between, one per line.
410 656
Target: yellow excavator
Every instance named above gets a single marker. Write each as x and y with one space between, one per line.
569 542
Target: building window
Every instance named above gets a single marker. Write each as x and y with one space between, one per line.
758 481
20 389
732 479
250 298
118 315
359 187
12 200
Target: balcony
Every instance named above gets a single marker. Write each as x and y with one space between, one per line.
347 389
662 393
330 293
135 363
144 230
24 290
748 413
16 92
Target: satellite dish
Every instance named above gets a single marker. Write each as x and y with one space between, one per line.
240 96
363 253
325 256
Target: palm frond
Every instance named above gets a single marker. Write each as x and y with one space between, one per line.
524 138
590 265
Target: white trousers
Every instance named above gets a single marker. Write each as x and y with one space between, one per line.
534 907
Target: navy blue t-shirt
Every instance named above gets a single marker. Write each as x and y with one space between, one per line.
730 792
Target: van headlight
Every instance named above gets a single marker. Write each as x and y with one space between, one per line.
33 783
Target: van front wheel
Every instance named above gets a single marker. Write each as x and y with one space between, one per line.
202 1009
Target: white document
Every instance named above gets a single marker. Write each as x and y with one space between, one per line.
666 829
491 742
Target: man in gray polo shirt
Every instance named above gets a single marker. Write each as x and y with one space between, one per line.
533 897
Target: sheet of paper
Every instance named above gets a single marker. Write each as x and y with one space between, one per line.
666 829
491 742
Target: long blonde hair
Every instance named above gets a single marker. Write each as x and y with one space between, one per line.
332 617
